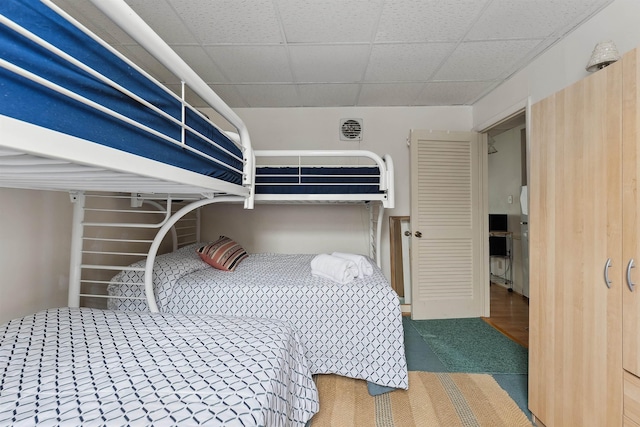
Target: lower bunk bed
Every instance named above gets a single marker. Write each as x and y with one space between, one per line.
82 366
352 329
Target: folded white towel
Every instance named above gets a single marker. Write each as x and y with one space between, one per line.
333 268
364 266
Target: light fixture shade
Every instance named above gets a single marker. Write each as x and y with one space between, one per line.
603 54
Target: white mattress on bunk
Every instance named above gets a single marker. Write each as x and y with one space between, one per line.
99 367
354 330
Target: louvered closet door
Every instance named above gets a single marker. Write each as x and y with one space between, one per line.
446 248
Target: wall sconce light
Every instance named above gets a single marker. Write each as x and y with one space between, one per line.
604 53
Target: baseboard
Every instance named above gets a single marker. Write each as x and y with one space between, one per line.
406 309
506 286
536 421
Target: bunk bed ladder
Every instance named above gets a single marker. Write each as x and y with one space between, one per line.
112 231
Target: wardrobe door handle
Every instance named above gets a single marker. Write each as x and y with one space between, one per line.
418 234
606 273
629 282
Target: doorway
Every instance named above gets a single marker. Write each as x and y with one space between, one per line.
507 194
507 204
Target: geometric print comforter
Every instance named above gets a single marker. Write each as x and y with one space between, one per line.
90 367
354 330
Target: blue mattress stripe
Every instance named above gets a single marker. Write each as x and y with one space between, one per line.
337 180
25 100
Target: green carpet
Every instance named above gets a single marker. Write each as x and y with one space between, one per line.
471 345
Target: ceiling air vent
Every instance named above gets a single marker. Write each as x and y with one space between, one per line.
350 129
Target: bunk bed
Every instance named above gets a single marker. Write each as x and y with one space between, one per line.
142 137
147 145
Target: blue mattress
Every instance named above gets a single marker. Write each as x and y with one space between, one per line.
28 101
318 180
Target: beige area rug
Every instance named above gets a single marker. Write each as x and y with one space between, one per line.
433 399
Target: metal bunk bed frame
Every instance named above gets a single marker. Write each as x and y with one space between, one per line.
58 161
37 158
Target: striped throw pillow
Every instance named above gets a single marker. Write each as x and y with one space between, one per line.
223 254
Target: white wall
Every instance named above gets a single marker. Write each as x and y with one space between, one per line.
563 64
505 179
35 240
313 229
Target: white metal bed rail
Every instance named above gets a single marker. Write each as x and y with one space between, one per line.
336 158
141 31
104 79
122 14
112 231
79 98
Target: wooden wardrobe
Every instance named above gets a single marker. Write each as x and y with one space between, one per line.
584 351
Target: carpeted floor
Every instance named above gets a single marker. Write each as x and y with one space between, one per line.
422 357
433 399
471 345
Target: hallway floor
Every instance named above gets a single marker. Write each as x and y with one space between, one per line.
509 314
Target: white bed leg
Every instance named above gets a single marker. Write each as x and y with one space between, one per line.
198 221
372 243
75 271
379 235
375 233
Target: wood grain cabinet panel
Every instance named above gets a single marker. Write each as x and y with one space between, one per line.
629 423
584 230
575 229
631 239
632 397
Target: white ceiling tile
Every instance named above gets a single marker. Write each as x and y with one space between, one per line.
245 46
389 94
431 20
452 93
485 60
201 63
230 21
329 63
163 19
508 19
312 21
328 95
252 64
258 96
231 95
405 62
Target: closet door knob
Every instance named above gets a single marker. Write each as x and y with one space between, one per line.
629 282
606 273
418 234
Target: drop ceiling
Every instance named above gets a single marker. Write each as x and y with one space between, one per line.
312 53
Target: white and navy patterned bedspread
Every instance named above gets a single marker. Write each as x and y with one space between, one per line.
100 367
354 330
